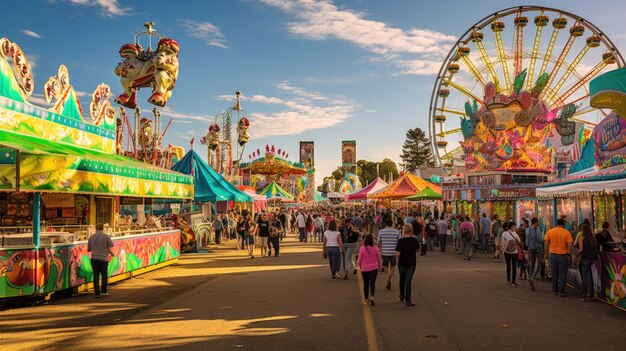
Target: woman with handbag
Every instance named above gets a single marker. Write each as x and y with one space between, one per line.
332 247
587 255
509 244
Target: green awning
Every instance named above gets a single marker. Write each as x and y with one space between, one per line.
273 190
55 167
426 194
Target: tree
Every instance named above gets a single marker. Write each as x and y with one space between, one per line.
368 170
334 179
416 150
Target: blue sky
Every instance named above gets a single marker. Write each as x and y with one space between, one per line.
322 71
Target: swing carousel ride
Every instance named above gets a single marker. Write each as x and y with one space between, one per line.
219 140
519 108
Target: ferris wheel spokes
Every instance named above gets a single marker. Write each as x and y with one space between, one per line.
540 22
497 27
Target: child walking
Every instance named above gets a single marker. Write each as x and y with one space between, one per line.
369 264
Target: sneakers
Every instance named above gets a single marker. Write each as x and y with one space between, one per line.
388 285
372 302
410 304
513 285
532 284
562 294
338 276
104 294
400 299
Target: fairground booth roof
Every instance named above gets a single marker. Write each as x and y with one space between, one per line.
56 150
427 194
371 188
407 185
209 185
273 163
273 190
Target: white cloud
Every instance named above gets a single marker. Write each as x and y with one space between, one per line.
108 8
307 111
31 34
413 51
167 112
207 32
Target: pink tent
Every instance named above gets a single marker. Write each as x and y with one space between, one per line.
259 201
371 188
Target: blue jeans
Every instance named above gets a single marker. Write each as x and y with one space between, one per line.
586 265
302 232
348 263
535 256
465 247
485 241
406 277
442 242
431 243
334 256
558 269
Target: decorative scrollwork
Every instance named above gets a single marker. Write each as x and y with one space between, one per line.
23 72
100 106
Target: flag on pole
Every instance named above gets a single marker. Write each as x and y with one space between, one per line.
191 142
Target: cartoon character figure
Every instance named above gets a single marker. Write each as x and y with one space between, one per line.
242 131
212 139
140 68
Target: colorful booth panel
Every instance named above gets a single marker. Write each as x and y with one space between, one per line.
26 272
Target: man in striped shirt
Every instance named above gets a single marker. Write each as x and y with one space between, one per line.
387 240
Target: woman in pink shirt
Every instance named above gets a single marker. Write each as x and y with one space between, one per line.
369 264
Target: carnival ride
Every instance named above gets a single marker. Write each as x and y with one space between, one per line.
273 166
138 69
498 108
219 140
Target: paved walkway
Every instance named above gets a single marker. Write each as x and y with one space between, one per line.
224 300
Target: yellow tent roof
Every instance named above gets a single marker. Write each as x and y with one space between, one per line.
407 185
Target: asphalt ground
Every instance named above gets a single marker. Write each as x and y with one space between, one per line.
223 300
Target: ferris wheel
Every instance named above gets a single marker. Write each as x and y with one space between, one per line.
548 53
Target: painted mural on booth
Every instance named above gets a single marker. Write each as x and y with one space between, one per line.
610 139
26 272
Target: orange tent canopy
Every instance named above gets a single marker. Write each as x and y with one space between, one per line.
407 185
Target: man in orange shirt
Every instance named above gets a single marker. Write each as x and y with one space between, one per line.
558 245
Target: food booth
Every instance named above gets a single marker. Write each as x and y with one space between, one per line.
59 174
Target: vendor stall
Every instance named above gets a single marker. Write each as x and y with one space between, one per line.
60 173
598 193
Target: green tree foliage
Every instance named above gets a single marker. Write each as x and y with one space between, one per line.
416 150
367 170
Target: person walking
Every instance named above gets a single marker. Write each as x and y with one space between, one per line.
332 248
510 243
369 263
301 224
588 251
485 232
352 239
263 233
387 241
318 222
454 224
100 244
243 227
558 245
467 234
406 252
431 233
534 241
442 230
218 226
250 236
276 230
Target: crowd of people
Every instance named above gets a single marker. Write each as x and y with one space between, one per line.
375 241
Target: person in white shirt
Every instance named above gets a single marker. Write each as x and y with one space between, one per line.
301 223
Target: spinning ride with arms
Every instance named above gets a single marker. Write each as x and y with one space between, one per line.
499 107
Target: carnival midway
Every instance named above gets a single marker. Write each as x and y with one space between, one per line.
519 157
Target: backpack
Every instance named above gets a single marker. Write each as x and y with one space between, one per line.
511 245
467 235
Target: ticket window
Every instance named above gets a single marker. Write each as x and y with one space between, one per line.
104 210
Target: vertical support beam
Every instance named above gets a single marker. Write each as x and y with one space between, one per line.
36 220
92 210
555 212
